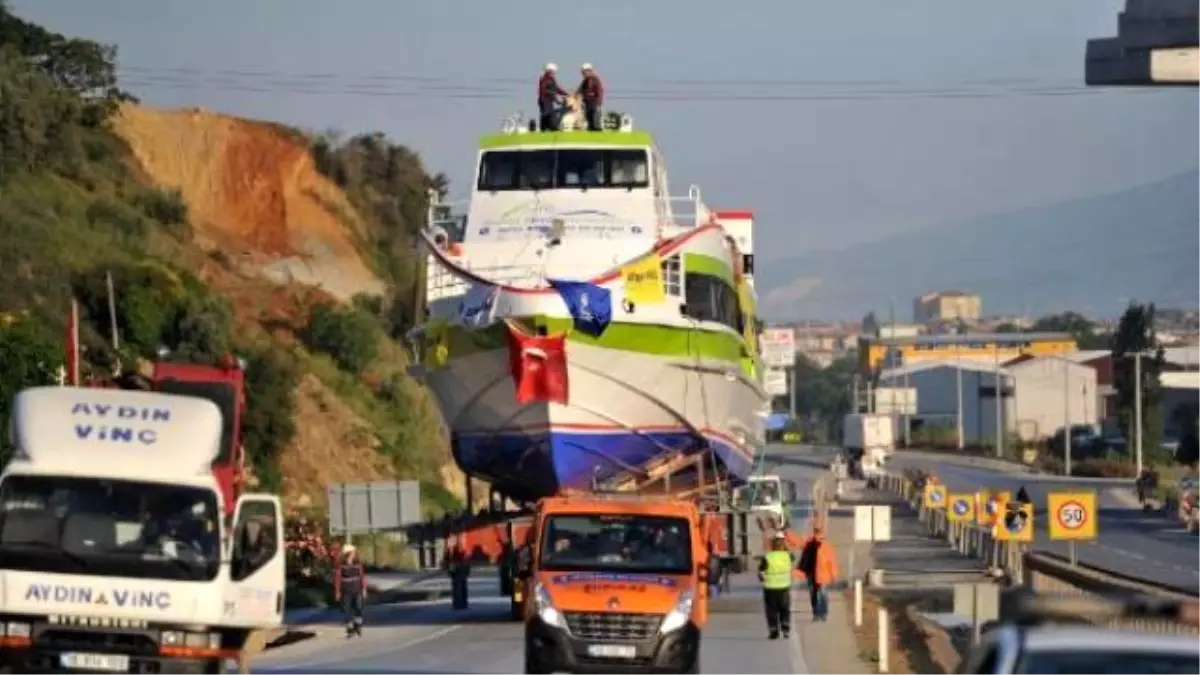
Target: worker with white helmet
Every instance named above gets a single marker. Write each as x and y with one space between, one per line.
350 587
591 90
548 94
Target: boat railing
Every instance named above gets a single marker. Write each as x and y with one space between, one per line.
690 212
442 283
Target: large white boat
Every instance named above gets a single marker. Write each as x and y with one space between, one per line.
581 329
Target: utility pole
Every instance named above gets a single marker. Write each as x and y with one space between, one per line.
907 421
958 414
1137 410
999 403
791 372
1067 415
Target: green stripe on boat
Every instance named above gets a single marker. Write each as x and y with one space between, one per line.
624 139
704 264
631 337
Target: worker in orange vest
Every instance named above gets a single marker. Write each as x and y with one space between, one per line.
818 564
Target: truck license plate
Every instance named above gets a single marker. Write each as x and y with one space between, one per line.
114 663
612 651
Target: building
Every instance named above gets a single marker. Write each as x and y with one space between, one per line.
946 306
900 330
992 348
823 344
1156 45
1038 396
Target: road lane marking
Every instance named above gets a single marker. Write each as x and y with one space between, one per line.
796 654
361 655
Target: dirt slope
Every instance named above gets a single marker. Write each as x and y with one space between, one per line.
268 238
254 193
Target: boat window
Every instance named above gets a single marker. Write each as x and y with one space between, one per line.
501 170
672 276
628 168
711 298
536 170
581 168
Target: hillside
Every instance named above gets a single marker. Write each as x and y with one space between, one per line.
220 234
1090 255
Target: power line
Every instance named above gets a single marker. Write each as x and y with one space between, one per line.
383 85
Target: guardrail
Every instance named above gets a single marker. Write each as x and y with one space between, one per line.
1042 572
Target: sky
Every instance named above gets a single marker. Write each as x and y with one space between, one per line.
837 122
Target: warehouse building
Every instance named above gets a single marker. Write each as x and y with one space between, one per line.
1038 396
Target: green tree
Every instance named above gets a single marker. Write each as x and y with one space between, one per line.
1135 334
346 334
29 357
869 325
1186 419
1080 327
269 421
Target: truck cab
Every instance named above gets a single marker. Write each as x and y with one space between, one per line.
114 552
767 494
614 585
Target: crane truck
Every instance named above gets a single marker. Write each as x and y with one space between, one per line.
114 552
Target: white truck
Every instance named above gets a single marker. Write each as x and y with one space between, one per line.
768 494
869 440
114 554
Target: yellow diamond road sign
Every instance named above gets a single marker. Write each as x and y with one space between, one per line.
1072 515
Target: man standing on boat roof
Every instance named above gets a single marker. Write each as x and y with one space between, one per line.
548 94
591 90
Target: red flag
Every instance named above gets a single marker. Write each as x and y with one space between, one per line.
538 364
72 364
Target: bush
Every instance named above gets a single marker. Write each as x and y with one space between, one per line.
268 424
168 207
1103 468
158 306
347 335
29 357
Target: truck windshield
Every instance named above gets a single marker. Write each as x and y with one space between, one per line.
75 525
1098 661
222 394
624 543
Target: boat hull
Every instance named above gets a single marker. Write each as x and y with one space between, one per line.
624 410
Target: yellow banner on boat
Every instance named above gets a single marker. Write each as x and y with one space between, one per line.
643 281
438 333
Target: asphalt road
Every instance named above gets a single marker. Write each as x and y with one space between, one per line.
1130 542
431 637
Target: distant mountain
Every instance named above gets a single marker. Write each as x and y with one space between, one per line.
1092 255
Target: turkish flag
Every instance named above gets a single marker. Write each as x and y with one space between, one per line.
538 364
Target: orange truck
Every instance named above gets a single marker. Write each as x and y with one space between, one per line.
614 583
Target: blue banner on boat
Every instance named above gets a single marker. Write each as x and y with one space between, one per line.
590 305
776 421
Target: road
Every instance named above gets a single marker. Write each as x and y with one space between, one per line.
430 637
1130 542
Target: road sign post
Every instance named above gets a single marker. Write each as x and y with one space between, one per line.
1073 517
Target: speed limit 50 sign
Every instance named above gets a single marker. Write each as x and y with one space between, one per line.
1072 515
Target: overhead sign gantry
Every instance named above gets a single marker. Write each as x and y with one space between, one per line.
1156 45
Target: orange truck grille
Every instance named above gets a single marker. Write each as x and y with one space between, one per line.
612 626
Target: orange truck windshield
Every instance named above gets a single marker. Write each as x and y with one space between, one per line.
616 543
